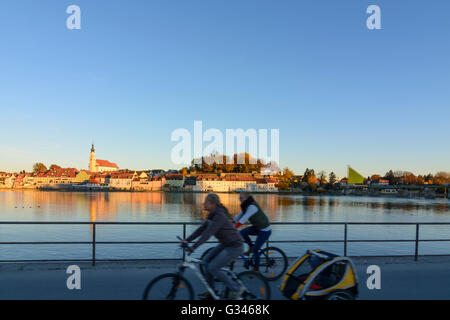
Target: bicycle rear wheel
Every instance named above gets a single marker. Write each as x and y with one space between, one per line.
169 286
273 263
256 287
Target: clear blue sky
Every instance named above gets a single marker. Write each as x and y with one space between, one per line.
339 93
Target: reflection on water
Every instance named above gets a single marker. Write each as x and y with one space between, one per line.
157 206
183 207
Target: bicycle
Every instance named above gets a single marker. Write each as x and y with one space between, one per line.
272 264
178 287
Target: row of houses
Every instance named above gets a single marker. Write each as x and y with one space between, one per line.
70 177
139 181
225 183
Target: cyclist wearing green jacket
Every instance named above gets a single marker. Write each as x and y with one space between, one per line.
260 225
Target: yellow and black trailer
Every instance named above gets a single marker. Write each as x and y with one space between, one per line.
321 275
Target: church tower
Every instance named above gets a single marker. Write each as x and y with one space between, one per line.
92 161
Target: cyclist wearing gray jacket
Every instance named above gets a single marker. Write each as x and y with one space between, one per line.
220 225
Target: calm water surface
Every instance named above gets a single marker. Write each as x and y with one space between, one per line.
183 207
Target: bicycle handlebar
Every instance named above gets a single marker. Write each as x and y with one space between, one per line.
185 246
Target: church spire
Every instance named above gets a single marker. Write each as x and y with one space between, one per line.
92 160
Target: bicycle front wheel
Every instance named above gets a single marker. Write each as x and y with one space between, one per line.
256 287
170 286
273 263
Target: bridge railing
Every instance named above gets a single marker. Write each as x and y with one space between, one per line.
94 242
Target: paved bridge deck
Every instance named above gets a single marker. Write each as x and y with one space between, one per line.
401 278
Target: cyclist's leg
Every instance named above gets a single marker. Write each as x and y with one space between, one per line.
221 260
249 231
212 253
263 236
207 259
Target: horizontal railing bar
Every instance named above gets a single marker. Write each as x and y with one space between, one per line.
89 260
177 242
97 242
301 241
173 259
47 242
99 223
198 223
430 240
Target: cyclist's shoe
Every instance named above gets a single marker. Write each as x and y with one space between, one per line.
205 296
248 252
237 295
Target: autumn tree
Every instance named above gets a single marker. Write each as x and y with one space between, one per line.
420 180
442 177
285 179
429 178
39 167
310 178
287 173
54 167
308 173
409 178
242 163
322 177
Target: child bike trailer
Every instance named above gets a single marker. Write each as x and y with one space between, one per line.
321 275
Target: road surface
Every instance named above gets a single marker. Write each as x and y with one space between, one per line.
401 278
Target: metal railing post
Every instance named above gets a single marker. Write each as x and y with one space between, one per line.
345 240
93 244
416 254
184 237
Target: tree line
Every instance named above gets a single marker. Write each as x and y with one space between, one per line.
40 167
238 163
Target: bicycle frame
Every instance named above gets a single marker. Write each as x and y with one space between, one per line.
191 263
248 261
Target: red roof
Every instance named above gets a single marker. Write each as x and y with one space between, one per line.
61 172
106 163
